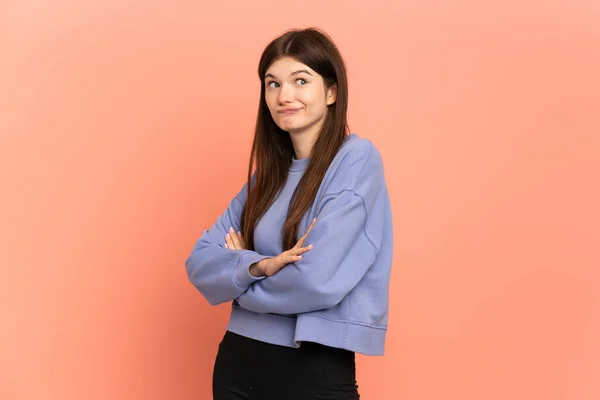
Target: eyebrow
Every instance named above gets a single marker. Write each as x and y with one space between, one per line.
293 73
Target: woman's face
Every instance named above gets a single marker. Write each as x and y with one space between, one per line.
297 96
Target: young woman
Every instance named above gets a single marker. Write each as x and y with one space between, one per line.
304 250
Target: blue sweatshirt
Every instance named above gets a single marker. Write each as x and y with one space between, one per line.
337 294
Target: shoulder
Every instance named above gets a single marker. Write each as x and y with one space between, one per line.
356 161
358 153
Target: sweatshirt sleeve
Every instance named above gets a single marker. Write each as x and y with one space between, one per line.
222 274
346 241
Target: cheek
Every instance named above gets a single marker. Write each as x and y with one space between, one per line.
316 95
308 98
271 103
314 101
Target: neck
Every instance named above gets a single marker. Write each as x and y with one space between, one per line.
304 140
303 145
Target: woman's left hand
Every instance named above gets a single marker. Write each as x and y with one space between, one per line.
234 240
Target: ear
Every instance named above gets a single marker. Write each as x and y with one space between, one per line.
331 94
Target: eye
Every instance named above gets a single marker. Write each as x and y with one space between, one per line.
301 81
273 84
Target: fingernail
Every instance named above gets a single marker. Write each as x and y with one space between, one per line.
240 233
227 236
231 229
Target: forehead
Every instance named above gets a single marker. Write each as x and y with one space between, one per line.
286 66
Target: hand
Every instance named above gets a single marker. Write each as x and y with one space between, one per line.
270 266
234 241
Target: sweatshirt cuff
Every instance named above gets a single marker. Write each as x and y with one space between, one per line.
242 278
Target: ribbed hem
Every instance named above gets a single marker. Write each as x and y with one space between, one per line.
362 339
268 328
242 278
291 331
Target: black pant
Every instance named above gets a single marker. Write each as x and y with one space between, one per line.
247 369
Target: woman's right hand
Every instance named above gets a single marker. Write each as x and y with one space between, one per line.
270 266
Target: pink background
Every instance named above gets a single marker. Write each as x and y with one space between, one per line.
125 129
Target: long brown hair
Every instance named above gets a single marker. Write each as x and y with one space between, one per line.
272 149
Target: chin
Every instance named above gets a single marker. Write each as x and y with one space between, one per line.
294 130
289 127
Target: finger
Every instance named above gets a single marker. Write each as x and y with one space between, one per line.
229 242
292 259
281 261
286 259
236 240
297 251
306 249
226 246
242 241
303 238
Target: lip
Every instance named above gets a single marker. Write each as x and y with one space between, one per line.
289 110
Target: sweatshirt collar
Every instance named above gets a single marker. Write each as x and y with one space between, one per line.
299 165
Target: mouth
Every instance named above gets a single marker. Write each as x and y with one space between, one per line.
289 110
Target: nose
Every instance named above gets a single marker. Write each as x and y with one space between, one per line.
286 94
